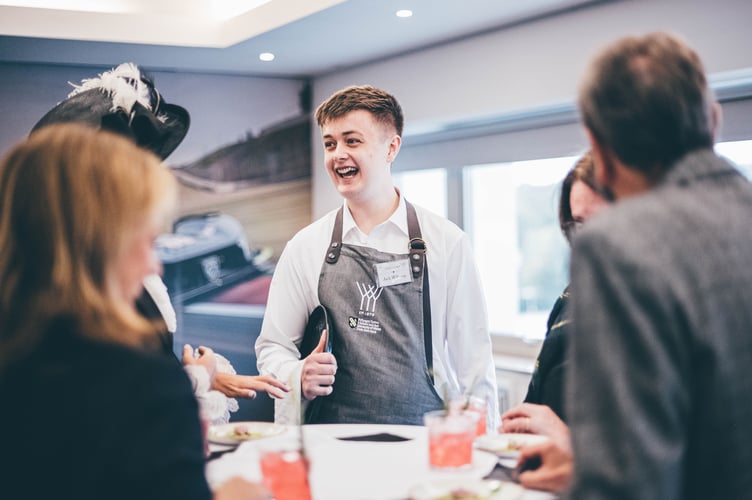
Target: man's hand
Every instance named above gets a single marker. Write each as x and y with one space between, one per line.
556 466
246 386
319 368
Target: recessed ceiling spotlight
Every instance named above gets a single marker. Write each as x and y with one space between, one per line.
404 13
266 56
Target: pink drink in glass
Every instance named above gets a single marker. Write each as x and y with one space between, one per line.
450 439
285 474
478 406
475 405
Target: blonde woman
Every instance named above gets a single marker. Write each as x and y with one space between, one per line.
91 409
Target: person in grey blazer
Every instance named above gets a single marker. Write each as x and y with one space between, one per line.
659 394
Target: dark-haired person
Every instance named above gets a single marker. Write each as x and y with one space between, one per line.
580 198
89 410
658 398
542 411
395 353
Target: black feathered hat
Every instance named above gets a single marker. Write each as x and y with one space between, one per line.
124 100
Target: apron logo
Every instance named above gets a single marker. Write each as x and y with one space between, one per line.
353 322
368 294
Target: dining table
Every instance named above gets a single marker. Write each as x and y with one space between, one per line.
366 462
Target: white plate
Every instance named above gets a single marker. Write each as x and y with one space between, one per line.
238 432
507 445
465 489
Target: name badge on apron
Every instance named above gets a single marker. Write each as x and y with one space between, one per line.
393 273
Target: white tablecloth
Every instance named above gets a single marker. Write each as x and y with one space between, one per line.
361 470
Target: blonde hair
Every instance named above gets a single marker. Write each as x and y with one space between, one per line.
70 199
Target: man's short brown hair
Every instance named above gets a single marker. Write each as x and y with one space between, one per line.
646 98
381 104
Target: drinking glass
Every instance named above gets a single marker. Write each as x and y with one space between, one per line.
285 473
473 404
450 438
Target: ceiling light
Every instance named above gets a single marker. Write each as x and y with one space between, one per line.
404 13
266 56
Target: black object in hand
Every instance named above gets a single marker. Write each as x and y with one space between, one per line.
318 321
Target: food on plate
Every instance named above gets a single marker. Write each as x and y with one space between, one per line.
462 494
242 431
511 445
234 433
458 489
507 445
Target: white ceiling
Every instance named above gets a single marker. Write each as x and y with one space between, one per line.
308 37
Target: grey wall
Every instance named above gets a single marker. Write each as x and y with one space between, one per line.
532 66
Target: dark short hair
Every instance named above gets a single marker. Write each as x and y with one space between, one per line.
584 171
646 98
384 106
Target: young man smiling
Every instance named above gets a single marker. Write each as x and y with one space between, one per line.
397 350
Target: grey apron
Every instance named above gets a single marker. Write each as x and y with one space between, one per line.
381 336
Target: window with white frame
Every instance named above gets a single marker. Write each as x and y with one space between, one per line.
523 257
511 215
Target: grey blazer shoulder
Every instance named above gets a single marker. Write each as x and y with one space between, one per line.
662 301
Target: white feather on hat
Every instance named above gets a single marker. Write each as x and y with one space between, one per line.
124 100
125 86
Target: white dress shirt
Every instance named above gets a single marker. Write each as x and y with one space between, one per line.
462 357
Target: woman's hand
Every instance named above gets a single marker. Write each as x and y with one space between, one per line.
534 419
246 386
205 358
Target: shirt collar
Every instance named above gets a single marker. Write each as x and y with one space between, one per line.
397 219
